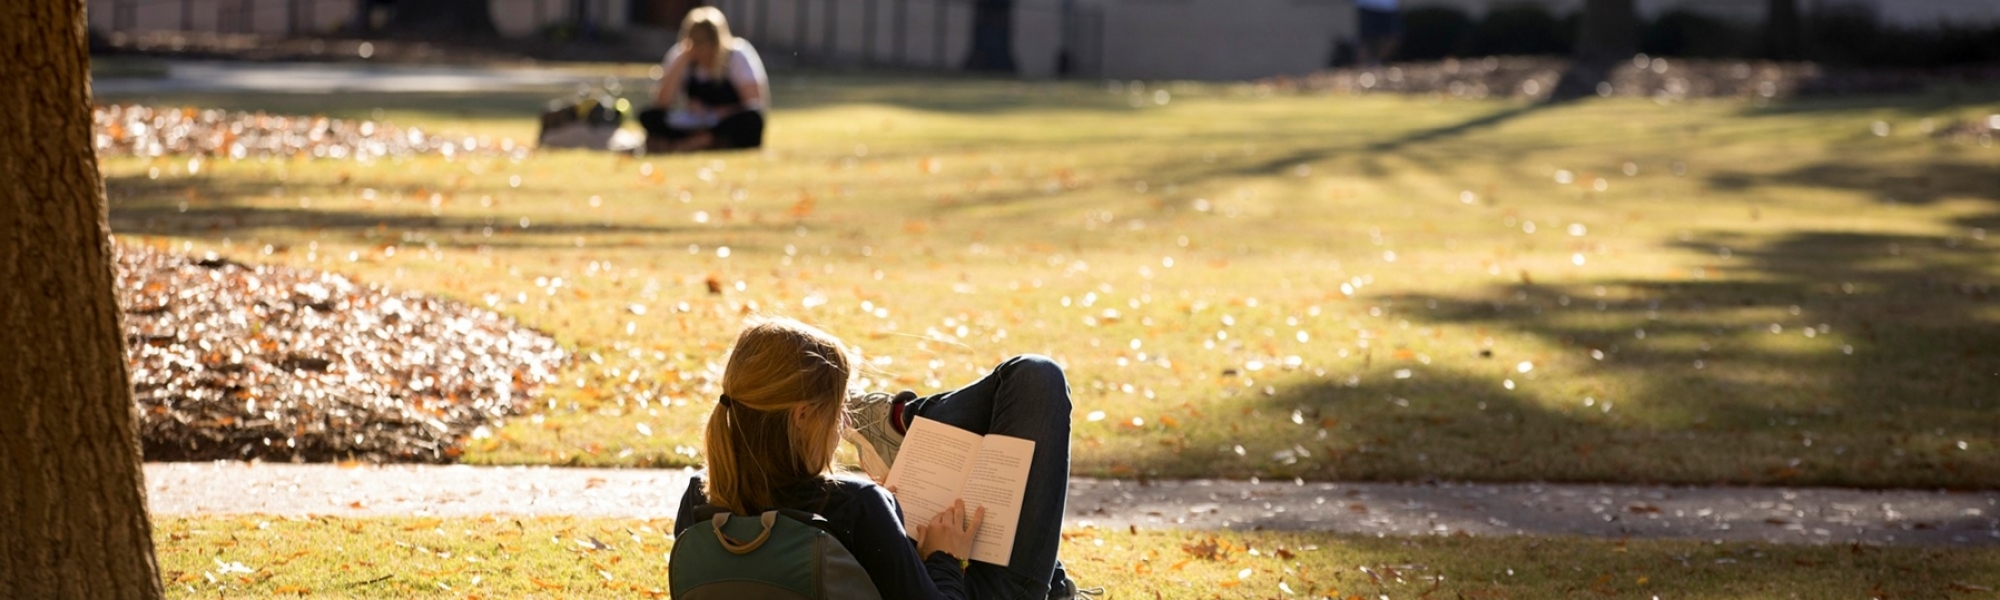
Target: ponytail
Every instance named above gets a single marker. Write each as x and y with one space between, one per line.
778 420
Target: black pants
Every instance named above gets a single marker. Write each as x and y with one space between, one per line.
741 130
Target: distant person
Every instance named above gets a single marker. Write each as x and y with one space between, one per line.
1381 29
714 93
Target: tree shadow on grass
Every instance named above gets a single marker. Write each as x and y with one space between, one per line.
1938 98
1920 183
1701 381
1391 145
214 208
959 95
1808 357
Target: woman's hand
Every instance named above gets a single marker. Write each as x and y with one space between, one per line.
948 532
670 81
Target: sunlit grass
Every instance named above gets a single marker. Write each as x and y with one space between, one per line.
1242 283
521 557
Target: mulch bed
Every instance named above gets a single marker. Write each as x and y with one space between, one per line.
236 361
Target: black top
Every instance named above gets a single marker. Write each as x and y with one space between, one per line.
717 92
866 519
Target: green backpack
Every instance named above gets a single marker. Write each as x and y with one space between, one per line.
781 554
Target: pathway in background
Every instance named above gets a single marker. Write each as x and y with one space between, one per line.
324 78
1791 515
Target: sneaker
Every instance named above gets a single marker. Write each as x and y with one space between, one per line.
873 430
1065 589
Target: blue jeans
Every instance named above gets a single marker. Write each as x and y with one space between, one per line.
1025 397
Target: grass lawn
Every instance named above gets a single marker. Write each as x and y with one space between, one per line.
502 557
1242 282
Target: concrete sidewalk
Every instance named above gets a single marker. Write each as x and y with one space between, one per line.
329 78
1787 515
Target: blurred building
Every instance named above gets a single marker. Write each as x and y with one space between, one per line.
517 18
1912 13
1122 39
1131 39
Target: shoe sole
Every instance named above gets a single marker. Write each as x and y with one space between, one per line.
871 461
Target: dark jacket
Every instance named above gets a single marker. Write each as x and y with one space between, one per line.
866 519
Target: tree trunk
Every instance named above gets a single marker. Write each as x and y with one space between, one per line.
992 37
1609 34
469 18
1782 35
72 496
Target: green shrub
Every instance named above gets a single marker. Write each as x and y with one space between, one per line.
1682 32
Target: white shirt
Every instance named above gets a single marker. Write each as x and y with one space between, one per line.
741 66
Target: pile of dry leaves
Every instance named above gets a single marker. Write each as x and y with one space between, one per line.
235 361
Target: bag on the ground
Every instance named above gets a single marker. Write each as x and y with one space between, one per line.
780 554
588 121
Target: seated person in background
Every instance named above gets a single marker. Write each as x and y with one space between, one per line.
719 84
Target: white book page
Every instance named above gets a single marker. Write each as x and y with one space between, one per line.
930 469
998 481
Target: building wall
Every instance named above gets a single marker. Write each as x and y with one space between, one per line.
1128 39
1221 39
229 16
1902 12
313 17
913 33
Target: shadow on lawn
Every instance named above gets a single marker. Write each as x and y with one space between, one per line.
1923 183
1392 145
1938 98
215 208
1707 375
228 221
962 95
1710 373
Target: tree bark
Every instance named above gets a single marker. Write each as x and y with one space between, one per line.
992 37
469 18
72 497
1609 33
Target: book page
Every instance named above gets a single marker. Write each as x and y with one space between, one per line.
999 480
930 469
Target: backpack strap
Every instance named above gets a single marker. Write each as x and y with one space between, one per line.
705 512
735 546
818 522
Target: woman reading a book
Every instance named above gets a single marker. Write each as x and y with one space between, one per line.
785 406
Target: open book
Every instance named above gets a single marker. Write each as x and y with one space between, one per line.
939 463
